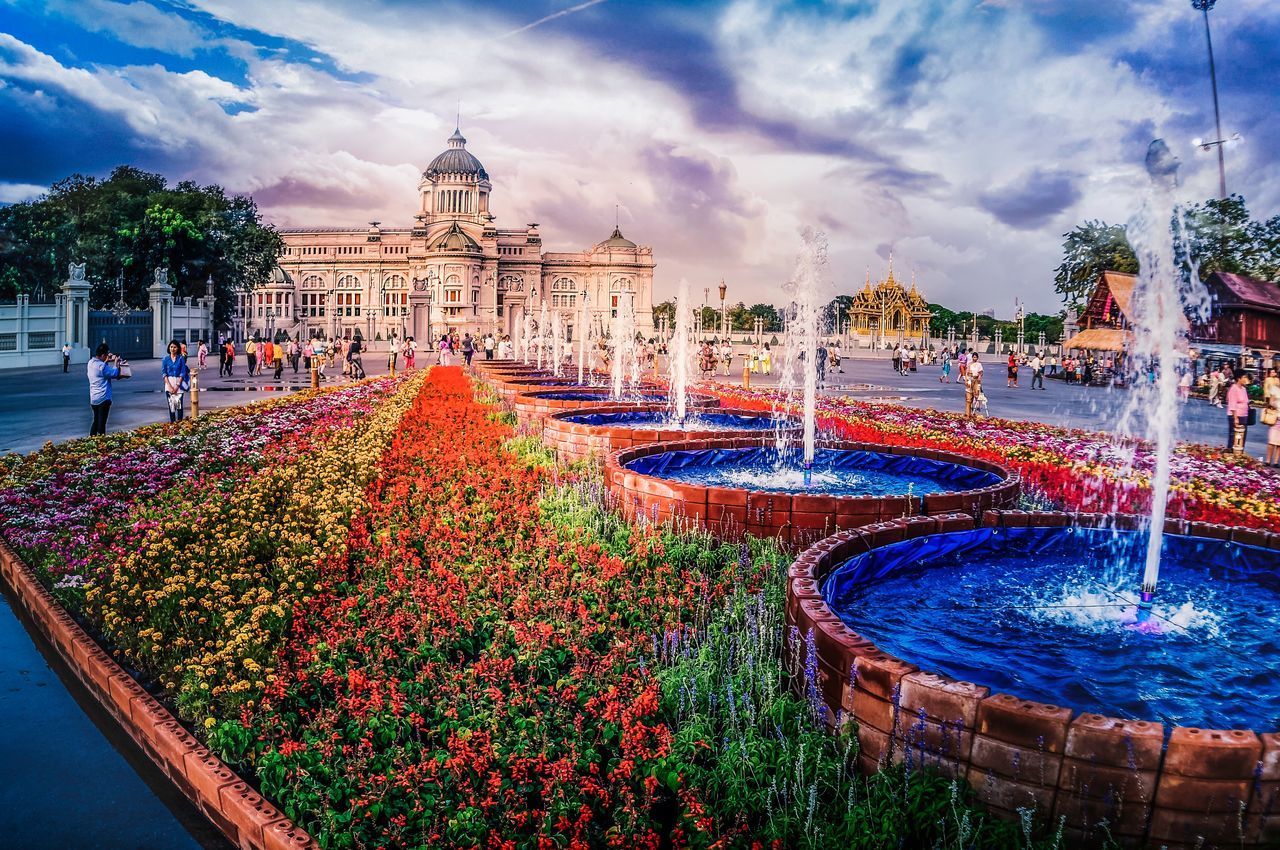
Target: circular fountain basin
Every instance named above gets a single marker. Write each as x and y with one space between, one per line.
534 407
509 388
577 434
1010 654
736 484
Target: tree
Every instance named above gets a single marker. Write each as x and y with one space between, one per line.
772 318
665 310
1089 250
129 225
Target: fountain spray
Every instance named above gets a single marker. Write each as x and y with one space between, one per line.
680 352
543 328
557 343
581 330
1165 294
802 341
625 364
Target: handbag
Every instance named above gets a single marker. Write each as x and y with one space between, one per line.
1269 416
126 371
1252 418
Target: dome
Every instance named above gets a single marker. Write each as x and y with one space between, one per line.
455 239
616 240
456 160
279 277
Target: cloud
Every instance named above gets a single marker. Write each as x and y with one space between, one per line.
138 24
963 136
14 193
1034 200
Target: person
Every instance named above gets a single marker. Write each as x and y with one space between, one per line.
944 377
1053 365
1271 393
1238 413
1184 386
202 353
505 349
445 351
469 349
354 360
277 353
231 356
834 350
1216 382
912 356
726 356
295 352
897 359
66 357
1012 365
1086 377
766 360
103 368
177 379
973 386
489 345
1037 371
251 355
820 356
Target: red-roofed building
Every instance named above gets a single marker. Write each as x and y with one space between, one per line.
1246 313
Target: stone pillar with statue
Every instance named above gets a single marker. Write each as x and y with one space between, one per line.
160 295
75 298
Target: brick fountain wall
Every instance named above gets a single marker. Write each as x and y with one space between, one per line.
1177 787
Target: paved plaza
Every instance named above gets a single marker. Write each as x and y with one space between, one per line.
39 405
43 404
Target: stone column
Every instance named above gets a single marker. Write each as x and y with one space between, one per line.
161 298
75 329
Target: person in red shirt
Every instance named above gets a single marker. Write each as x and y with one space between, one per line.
1238 413
1012 366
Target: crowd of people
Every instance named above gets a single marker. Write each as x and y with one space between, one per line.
1225 385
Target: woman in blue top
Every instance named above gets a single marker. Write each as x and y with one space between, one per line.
102 370
177 378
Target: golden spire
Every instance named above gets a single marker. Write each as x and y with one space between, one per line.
867 288
889 279
913 282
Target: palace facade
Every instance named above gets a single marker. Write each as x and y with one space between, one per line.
888 313
452 269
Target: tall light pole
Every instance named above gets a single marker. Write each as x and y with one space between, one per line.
724 318
1203 6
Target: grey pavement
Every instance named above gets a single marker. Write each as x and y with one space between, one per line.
43 404
1073 406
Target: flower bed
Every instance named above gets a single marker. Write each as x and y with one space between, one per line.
410 630
1072 469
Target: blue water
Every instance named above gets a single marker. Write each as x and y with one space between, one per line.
835 472
600 395
1046 614
695 421
64 784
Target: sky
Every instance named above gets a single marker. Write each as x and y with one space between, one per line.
964 137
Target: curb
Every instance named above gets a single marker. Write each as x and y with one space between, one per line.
248 820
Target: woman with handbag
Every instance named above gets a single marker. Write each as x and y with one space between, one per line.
1271 416
177 379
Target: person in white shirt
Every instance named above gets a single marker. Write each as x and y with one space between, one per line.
726 355
66 357
1037 371
972 386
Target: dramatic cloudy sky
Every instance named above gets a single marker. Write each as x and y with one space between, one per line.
965 136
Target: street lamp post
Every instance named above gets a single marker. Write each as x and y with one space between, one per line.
724 318
1022 330
1203 6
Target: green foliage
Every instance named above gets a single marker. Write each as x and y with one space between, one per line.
1220 234
131 224
1088 250
962 322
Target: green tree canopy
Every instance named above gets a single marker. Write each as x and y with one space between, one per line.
131 224
1087 251
1219 234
